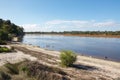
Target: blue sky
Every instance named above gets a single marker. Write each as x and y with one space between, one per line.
62 15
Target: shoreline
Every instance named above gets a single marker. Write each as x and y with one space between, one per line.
104 67
87 68
79 54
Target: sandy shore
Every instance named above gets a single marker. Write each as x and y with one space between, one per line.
14 57
87 68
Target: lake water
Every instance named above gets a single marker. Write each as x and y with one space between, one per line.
92 46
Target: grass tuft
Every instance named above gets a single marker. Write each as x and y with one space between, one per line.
12 68
4 76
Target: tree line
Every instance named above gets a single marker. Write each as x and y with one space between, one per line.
9 30
80 32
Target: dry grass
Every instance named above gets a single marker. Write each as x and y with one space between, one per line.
30 70
4 76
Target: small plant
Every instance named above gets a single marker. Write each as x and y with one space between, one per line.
4 49
43 72
67 58
12 68
4 76
24 69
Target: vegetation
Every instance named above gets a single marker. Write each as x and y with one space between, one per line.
5 49
80 32
4 76
67 58
9 30
12 68
30 70
3 42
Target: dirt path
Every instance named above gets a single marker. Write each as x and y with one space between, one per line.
41 56
14 57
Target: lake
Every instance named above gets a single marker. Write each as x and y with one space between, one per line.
91 46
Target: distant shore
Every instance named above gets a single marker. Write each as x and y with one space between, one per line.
85 35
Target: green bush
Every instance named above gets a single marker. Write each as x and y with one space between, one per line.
4 49
67 58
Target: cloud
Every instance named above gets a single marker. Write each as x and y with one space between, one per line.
106 24
81 23
30 27
54 22
36 27
72 25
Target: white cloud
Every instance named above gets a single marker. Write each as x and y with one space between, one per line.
57 22
106 24
69 25
30 27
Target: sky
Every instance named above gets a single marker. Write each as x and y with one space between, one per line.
62 15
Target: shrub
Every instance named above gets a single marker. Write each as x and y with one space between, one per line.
24 69
43 72
67 58
4 49
4 76
3 42
31 70
12 68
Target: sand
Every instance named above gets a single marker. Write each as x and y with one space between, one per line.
87 68
14 57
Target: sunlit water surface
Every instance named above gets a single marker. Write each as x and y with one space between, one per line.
92 46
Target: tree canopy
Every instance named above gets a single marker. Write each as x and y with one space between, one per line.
9 30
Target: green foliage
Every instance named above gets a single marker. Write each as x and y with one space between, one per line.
67 58
3 35
4 49
9 30
12 68
24 69
3 42
4 76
